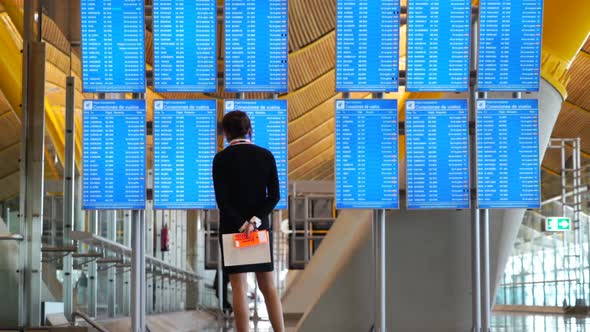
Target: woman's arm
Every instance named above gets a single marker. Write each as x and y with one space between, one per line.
221 186
273 191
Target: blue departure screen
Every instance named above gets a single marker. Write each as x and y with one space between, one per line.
256 49
185 51
114 154
508 174
437 141
184 147
367 154
438 45
510 45
367 45
113 57
269 130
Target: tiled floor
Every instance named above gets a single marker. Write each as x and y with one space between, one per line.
539 323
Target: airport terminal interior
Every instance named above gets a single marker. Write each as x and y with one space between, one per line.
433 159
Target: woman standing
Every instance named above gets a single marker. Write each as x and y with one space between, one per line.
247 191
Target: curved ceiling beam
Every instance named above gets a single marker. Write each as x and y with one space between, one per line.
561 19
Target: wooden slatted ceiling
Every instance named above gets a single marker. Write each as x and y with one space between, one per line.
586 47
552 160
320 132
314 117
310 19
9 149
324 171
573 121
318 168
303 100
311 163
317 59
318 147
579 85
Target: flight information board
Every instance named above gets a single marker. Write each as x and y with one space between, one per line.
438 45
367 154
114 154
256 49
184 147
269 130
508 167
437 144
510 45
113 57
185 45
367 45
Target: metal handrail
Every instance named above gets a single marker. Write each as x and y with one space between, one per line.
11 237
87 320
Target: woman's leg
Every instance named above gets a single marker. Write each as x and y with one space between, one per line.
239 287
271 298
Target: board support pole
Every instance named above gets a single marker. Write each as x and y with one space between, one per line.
476 238
379 236
138 265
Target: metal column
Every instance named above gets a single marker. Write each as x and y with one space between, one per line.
149 217
485 270
474 212
31 170
127 222
138 321
92 269
69 184
379 237
111 220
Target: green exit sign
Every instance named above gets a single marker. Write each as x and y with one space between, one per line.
558 224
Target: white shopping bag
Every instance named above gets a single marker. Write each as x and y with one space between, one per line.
233 256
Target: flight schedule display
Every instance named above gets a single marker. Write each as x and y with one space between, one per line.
185 51
367 45
510 45
113 57
367 154
269 130
438 45
114 154
256 49
184 147
437 144
508 171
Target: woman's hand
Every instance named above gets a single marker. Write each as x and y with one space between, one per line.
249 229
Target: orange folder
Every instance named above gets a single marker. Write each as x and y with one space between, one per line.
241 240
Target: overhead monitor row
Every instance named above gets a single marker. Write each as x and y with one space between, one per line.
185 134
437 154
367 156
439 39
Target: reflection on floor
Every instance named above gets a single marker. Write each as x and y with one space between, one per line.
501 322
260 326
521 322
